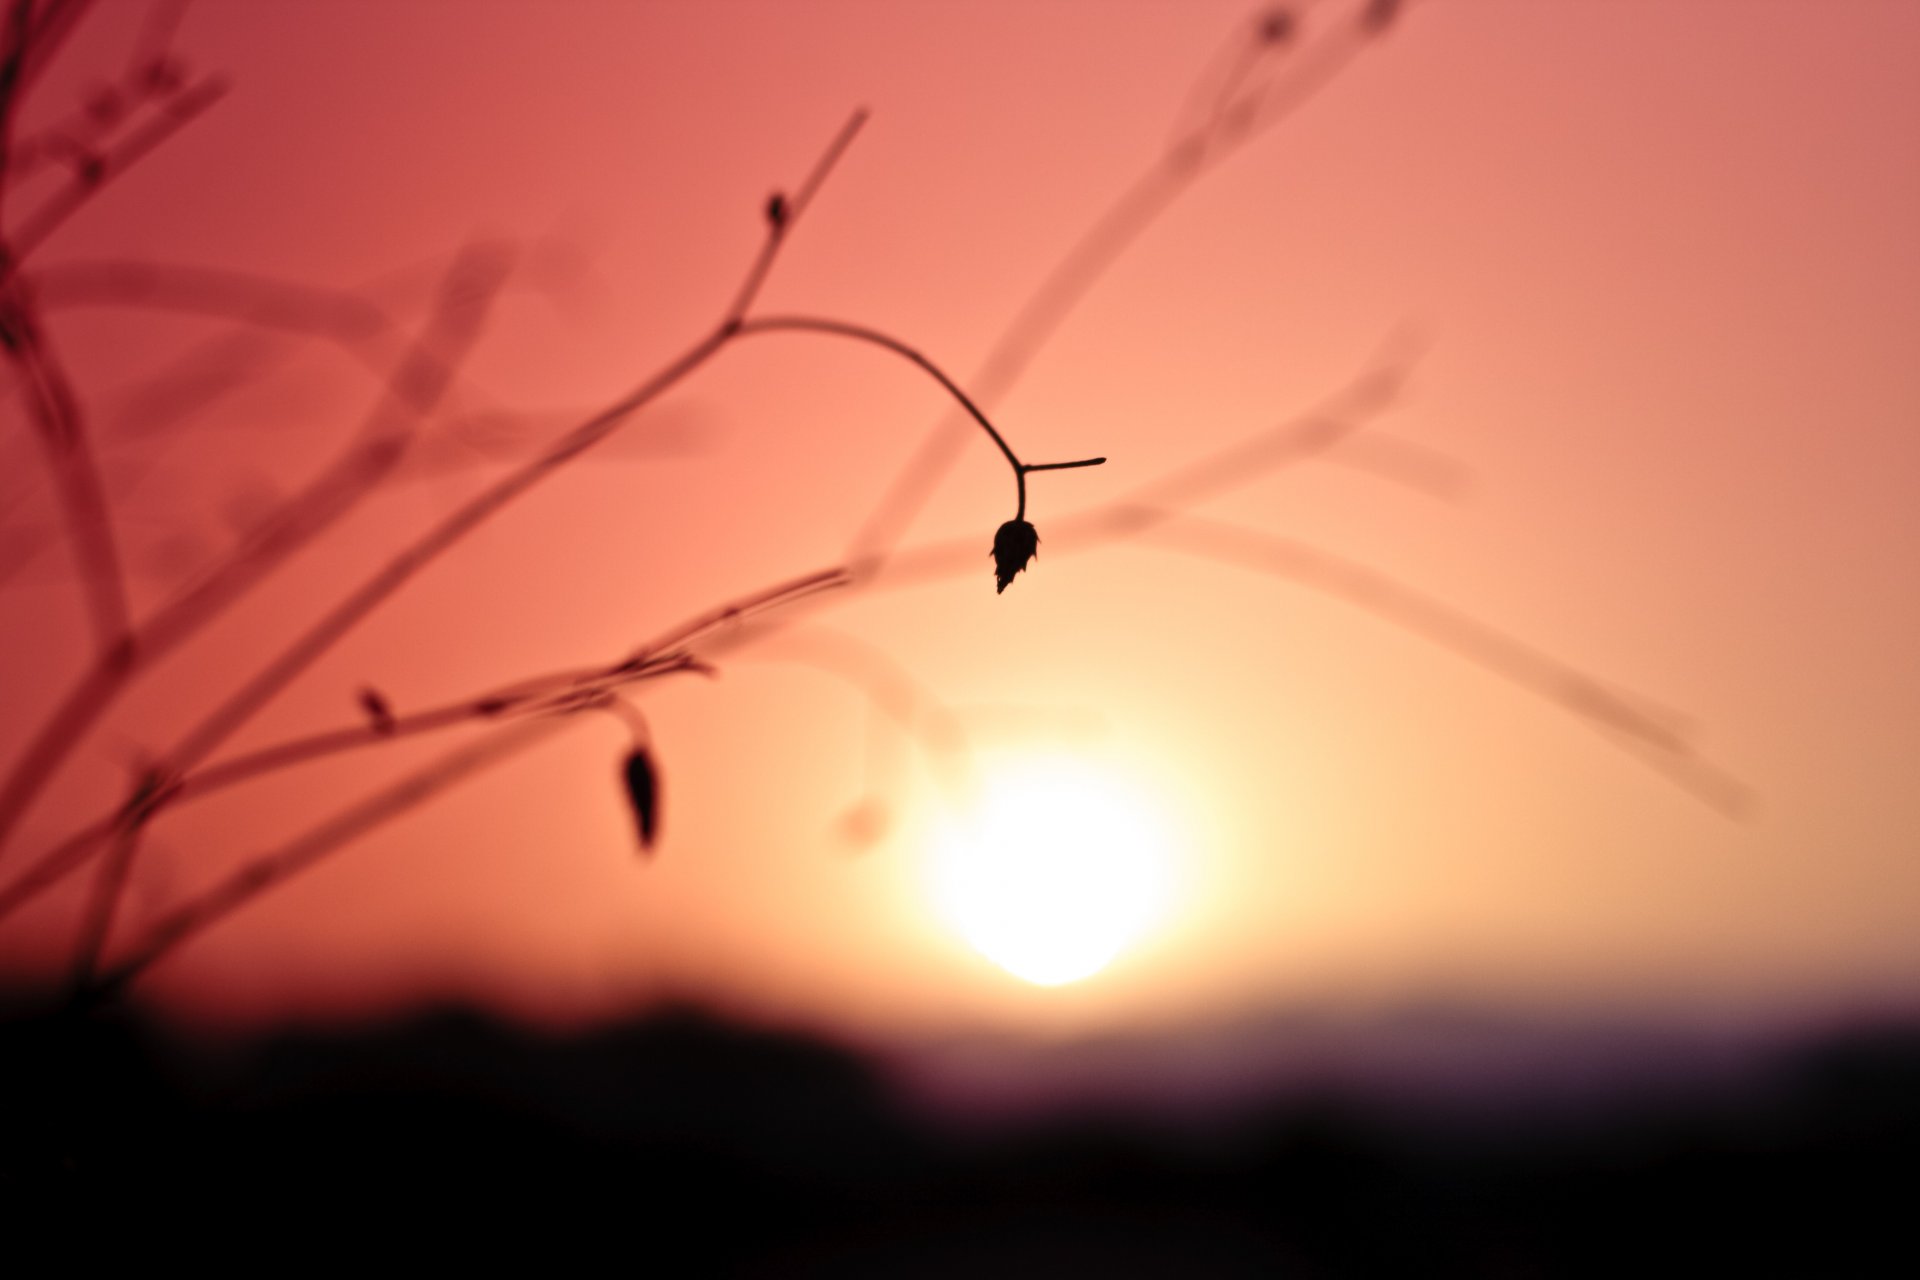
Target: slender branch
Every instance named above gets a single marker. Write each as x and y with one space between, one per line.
415 388
562 690
1112 233
344 316
237 709
103 903
282 864
178 112
62 431
1291 441
783 213
840 328
15 44
1649 737
56 22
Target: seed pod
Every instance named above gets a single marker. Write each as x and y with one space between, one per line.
1014 544
643 794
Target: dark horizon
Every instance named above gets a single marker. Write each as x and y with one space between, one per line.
1785 1157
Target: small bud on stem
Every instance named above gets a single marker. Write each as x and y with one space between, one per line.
1014 544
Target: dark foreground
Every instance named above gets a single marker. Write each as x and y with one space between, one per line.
682 1145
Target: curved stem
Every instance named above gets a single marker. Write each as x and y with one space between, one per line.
861 333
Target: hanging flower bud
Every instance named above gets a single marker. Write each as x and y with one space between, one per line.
643 794
1014 543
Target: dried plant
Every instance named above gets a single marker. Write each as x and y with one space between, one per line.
1269 67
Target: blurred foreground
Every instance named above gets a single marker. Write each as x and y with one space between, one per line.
706 1147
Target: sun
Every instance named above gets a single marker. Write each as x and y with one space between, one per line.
1058 867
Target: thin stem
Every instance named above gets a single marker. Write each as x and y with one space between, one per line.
777 227
278 866
414 389
103 903
62 431
861 333
1114 231
236 710
64 203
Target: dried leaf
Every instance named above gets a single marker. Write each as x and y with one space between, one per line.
1014 544
643 793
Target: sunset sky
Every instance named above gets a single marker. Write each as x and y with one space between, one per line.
1650 274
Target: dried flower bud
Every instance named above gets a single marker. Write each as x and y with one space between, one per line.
1014 543
643 794
379 714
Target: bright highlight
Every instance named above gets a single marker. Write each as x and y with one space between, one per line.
1059 867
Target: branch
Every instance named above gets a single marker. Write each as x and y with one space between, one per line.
62 431
414 388
1648 734
839 328
1137 207
280 865
177 113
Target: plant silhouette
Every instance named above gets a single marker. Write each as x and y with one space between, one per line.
1271 65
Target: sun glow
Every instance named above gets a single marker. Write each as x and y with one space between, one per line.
1058 867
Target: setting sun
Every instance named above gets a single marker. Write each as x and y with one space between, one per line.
1056 869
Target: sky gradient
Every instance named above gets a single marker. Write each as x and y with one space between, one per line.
1648 276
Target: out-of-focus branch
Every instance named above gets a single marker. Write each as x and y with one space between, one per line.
280 865
1649 733
413 390
60 425
175 114
860 333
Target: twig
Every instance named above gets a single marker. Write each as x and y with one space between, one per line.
1648 734
1112 233
839 328
62 431
278 866
178 112
414 388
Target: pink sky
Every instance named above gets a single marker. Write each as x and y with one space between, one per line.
1658 264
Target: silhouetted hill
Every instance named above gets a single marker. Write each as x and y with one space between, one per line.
684 1145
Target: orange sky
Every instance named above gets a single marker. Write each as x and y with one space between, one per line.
1658 269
